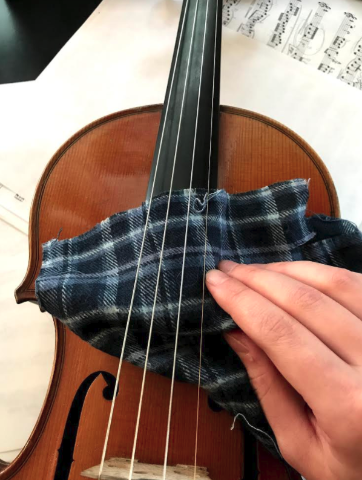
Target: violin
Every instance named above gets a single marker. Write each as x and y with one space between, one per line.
114 164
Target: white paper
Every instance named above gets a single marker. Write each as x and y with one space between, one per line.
14 209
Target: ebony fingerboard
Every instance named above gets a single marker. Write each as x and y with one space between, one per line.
182 102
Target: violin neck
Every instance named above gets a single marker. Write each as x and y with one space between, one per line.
188 133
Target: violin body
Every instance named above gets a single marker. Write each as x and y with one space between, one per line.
103 169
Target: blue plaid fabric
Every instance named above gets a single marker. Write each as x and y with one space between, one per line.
87 281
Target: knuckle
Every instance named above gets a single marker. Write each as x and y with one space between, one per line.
342 279
275 327
236 295
282 267
248 271
306 297
287 267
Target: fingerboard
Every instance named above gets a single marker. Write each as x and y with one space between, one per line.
188 132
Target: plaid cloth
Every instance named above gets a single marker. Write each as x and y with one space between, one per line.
87 281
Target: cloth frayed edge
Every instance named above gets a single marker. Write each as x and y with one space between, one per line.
145 204
257 430
207 198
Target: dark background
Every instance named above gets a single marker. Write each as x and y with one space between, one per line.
33 31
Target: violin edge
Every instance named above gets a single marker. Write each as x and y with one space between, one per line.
26 291
12 468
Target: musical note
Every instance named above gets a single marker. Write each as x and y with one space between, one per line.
339 41
310 31
18 197
15 195
228 10
323 67
14 208
351 74
260 13
292 10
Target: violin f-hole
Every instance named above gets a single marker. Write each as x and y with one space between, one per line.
66 449
251 470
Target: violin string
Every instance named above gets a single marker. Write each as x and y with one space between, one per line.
184 251
205 250
159 268
162 248
110 418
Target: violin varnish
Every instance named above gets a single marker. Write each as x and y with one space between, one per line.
118 469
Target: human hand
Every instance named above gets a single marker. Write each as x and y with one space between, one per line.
301 343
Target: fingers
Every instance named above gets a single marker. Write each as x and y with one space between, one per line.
284 408
333 324
343 286
316 372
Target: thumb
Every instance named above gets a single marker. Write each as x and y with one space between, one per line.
284 408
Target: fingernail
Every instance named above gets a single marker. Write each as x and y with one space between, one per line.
215 277
236 340
227 265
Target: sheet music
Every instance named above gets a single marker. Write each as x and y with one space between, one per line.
325 35
14 209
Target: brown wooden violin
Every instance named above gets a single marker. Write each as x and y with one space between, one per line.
114 164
